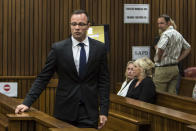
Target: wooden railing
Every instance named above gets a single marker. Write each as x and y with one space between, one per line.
158 116
33 120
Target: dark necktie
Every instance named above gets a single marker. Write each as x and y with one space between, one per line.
82 64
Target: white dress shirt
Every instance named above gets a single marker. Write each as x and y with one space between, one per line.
124 88
76 51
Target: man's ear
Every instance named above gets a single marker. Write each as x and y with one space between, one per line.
89 24
169 23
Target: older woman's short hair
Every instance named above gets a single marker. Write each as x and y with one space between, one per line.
147 65
126 75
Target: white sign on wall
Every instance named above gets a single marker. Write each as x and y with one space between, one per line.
136 13
140 51
9 88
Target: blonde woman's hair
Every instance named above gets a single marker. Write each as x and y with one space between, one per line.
173 24
128 63
147 65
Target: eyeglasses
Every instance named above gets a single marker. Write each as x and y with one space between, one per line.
79 24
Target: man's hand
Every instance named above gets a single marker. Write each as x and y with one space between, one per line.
184 54
21 108
158 55
103 119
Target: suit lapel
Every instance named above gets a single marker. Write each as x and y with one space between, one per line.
91 54
70 57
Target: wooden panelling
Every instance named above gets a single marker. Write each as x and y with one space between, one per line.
45 102
28 28
24 83
3 122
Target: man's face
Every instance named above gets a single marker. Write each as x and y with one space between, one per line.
79 26
162 24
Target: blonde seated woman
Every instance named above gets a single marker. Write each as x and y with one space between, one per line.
142 87
129 78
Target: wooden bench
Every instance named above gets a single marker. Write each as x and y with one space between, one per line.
122 121
117 121
161 118
72 129
181 103
186 86
3 122
191 128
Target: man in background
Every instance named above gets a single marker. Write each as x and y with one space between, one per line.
170 50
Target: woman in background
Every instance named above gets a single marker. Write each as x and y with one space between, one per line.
129 78
142 88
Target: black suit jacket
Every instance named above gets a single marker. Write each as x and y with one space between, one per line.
71 89
145 91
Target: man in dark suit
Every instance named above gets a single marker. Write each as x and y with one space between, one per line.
81 65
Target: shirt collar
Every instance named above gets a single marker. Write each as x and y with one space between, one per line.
170 27
75 42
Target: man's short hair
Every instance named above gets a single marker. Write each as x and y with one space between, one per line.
166 17
80 12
